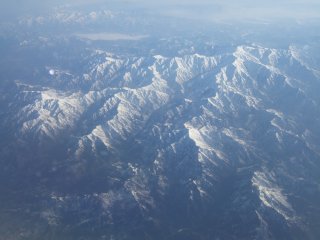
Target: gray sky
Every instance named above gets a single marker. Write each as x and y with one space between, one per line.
194 9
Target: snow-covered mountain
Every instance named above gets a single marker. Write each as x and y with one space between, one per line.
188 141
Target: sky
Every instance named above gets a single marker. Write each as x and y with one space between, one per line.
192 9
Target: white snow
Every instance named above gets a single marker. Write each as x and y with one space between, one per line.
271 194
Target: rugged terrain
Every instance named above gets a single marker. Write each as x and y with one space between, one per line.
166 139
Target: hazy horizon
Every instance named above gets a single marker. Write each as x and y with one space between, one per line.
203 10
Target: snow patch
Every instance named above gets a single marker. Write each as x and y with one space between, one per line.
271 195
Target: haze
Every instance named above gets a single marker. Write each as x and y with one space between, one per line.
202 9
